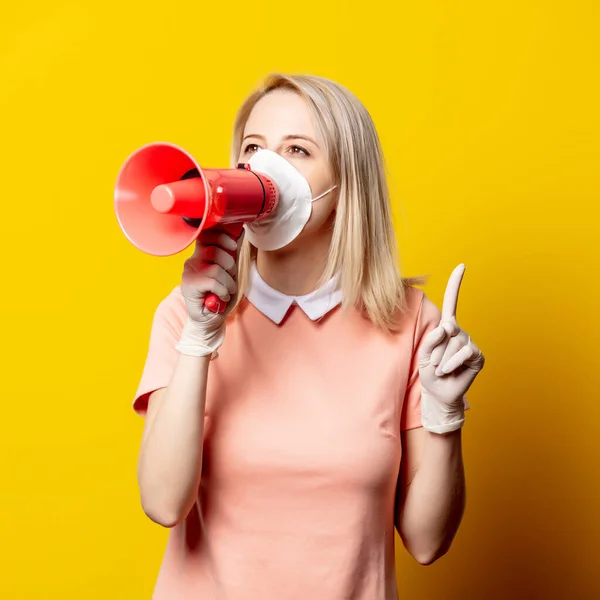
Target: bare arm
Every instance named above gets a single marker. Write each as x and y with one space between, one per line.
431 493
170 459
432 490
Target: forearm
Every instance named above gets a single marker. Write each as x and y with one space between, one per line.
170 460
434 502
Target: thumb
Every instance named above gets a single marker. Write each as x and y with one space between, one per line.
433 339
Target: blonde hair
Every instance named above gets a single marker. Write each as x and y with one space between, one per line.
363 247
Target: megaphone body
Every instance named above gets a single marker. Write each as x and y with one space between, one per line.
164 200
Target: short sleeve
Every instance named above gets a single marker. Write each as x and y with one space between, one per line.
167 325
428 318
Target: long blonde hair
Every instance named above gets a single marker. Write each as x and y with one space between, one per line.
363 248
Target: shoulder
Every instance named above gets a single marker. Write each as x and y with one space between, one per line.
172 307
418 316
418 307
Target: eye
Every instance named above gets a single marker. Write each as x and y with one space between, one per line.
299 151
250 148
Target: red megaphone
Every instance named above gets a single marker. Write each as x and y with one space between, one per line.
163 200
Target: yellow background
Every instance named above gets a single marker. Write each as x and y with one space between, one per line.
488 113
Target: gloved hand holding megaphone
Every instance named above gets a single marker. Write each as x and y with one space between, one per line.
164 200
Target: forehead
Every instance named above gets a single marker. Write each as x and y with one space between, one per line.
279 113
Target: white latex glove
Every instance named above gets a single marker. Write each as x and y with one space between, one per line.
448 364
211 268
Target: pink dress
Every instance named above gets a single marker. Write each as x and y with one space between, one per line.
302 450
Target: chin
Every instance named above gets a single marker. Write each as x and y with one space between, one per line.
311 237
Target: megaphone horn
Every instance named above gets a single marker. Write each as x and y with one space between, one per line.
164 200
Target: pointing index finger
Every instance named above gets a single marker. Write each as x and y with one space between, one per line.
451 294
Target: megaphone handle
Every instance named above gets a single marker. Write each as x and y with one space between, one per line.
212 302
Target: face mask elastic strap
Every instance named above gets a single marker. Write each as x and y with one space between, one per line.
324 194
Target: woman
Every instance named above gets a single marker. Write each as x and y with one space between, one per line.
334 408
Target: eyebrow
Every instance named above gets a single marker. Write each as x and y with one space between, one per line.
293 136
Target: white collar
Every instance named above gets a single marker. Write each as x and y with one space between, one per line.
275 305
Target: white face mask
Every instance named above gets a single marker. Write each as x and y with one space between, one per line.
286 222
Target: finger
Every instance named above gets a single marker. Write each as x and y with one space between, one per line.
214 286
216 237
451 294
206 278
218 256
222 277
458 360
431 341
219 290
478 360
454 346
451 329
